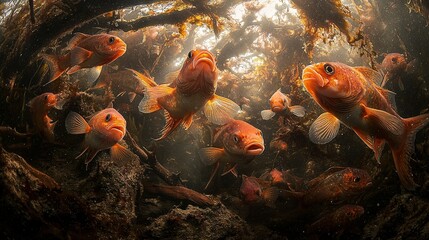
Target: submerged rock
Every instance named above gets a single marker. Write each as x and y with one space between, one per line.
32 205
405 217
199 223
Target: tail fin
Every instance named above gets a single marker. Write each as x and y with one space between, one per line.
170 125
402 153
56 68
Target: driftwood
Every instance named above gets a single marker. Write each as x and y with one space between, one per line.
179 192
150 158
12 132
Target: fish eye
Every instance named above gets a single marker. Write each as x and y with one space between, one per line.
236 139
111 40
45 97
394 60
356 179
108 117
329 69
190 54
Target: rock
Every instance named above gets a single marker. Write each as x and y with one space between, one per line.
198 223
405 217
33 206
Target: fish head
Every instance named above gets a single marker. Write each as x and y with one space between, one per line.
279 101
355 179
250 190
330 79
110 123
198 73
244 139
394 62
43 102
110 46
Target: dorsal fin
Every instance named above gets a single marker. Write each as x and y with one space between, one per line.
369 73
76 39
390 97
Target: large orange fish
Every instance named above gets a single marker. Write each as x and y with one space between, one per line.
279 102
193 89
352 95
86 51
234 143
39 107
103 131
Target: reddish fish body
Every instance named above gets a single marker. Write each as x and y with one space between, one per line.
103 131
393 66
255 191
351 96
236 142
86 51
193 89
39 107
336 185
337 220
279 102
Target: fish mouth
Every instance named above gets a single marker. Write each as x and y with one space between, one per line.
277 109
310 74
254 149
118 128
207 57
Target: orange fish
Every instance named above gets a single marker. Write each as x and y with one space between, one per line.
351 95
194 88
336 221
256 191
86 51
280 102
283 179
336 184
393 66
103 131
235 142
39 107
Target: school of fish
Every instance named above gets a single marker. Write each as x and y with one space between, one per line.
352 96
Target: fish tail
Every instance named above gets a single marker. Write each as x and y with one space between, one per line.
170 125
402 152
56 66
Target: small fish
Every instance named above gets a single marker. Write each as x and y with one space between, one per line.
256 191
103 131
86 51
352 96
393 66
335 185
39 107
124 81
278 145
234 143
283 179
280 102
194 88
335 222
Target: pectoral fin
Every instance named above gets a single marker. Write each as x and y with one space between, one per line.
220 110
324 128
267 114
76 124
149 103
270 196
385 120
211 155
77 56
120 155
297 110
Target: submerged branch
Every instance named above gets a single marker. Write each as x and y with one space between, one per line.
180 193
12 132
150 158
